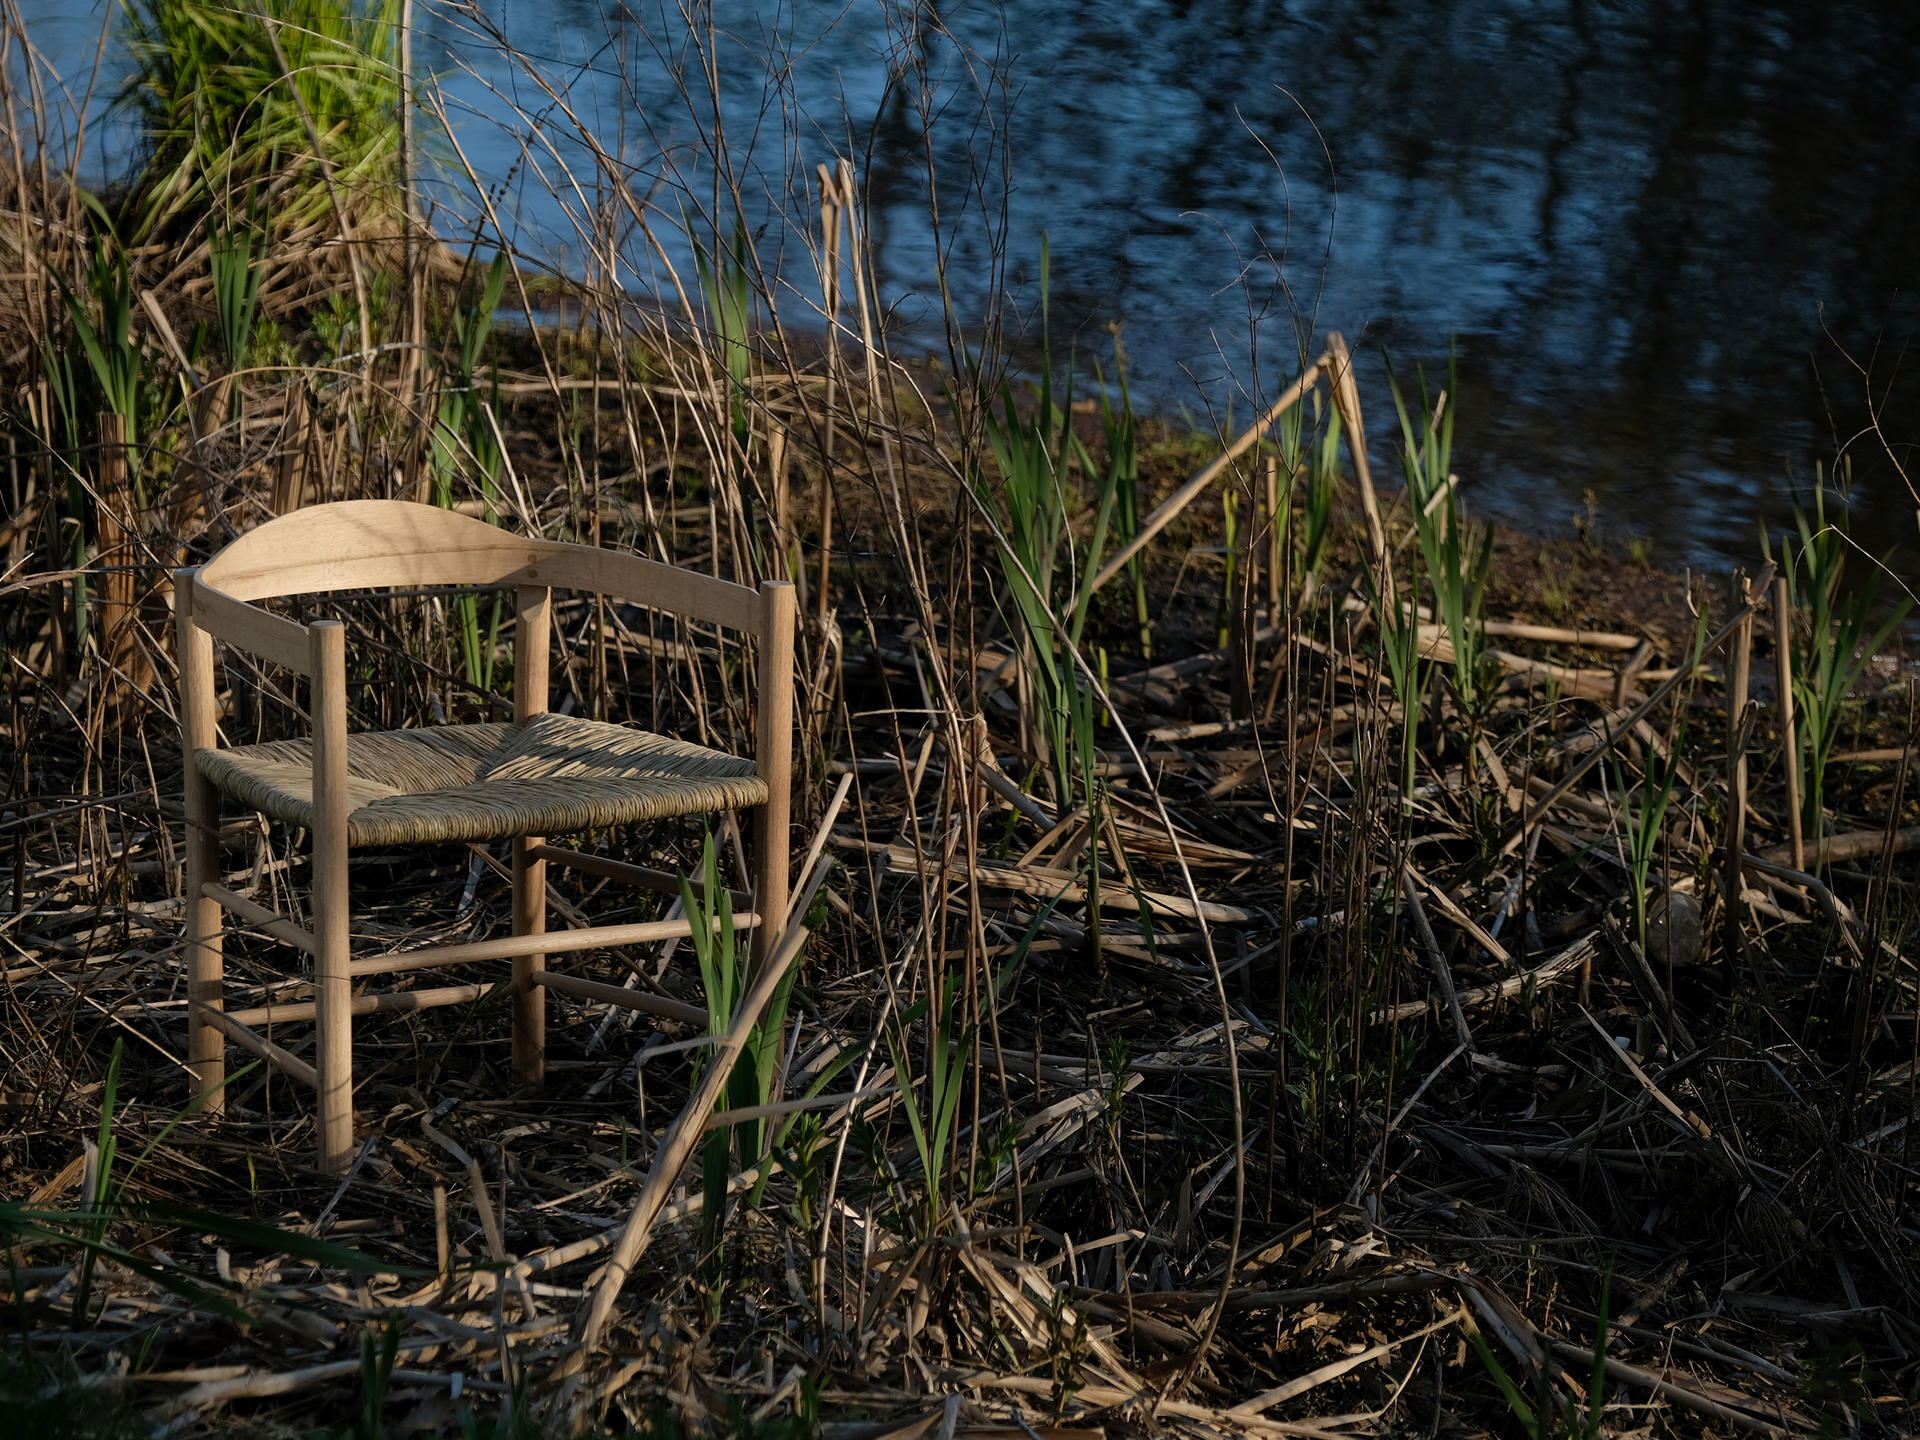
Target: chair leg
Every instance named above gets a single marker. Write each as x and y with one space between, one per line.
333 1004
205 939
770 861
205 921
529 1001
332 980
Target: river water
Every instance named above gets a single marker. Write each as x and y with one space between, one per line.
1672 245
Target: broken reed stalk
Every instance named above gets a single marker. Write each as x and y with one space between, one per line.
680 1141
290 474
115 522
1208 473
1346 399
777 477
1436 959
1277 520
830 226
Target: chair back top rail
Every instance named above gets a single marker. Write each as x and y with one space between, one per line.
382 544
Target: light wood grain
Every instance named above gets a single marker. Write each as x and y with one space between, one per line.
260 917
376 544
773 747
249 628
332 979
644 876
281 1060
533 610
200 852
397 544
599 937
387 1003
604 994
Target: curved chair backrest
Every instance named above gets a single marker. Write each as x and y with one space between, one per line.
380 544
397 544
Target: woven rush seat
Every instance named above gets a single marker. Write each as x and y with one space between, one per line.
550 775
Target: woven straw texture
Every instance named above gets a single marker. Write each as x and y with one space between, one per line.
550 776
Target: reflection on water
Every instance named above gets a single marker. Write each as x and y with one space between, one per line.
1653 229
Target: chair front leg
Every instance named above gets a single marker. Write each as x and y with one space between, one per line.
529 1000
205 920
205 943
533 617
773 751
770 862
332 980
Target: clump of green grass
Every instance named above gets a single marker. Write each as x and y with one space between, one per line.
1037 453
1836 642
1457 562
1645 810
218 110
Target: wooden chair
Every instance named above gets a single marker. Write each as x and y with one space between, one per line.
541 775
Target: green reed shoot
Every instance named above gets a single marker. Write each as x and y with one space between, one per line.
461 425
1835 644
727 287
106 342
1323 478
1037 454
1035 502
97 1197
949 1046
1123 464
1539 1418
1230 541
461 428
723 963
1400 653
1456 566
234 253
1644 809
377 1358
99 368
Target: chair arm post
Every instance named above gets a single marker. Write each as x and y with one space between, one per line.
200 846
